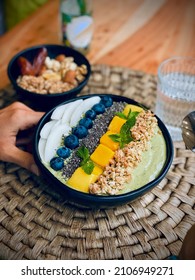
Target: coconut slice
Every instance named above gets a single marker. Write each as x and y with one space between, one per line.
56 124
54 140
70 110
41 148
82 109
58 112
46 129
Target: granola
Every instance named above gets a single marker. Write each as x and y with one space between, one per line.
118 171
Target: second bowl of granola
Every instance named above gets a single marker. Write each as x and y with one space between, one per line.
47 75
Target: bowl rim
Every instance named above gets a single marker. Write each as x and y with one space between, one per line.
120 198
69 92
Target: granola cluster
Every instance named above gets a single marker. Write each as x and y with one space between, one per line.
119 170
56 76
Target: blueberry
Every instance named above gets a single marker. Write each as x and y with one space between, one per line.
80 131
63 152
71 141
99 108
86 122
57 163
91 114
107 101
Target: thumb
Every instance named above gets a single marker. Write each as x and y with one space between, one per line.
22 158
27 120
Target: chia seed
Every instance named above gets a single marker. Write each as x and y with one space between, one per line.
91 141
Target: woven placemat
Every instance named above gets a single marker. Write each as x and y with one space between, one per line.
35 223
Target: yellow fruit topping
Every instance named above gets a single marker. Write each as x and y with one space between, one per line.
133 108
81 180
102 155
107 141
116 124
97 171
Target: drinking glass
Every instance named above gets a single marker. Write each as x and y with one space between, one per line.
175 93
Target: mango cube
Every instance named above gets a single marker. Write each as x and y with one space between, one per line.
102 155
133 108
97 170
107 141
81 180
116 124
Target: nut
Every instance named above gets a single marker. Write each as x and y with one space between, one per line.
80 78
51 76
69 76
60 57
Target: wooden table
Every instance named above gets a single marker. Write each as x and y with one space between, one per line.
135 34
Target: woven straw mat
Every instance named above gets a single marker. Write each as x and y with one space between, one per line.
35 223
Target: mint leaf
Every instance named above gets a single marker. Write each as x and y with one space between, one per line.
115 137
88 167
124 137
129 115
86 164
121 115
133 114
128 125
83 152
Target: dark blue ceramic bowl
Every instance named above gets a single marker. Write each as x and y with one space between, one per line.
95 201
46 101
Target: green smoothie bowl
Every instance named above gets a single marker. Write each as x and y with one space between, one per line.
102 151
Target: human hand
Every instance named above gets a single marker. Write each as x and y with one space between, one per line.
13 119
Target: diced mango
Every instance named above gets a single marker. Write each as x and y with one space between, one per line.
116 124
133 108
97 170
107 141
102 155
81 180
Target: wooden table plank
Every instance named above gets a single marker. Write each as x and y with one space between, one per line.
137 34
